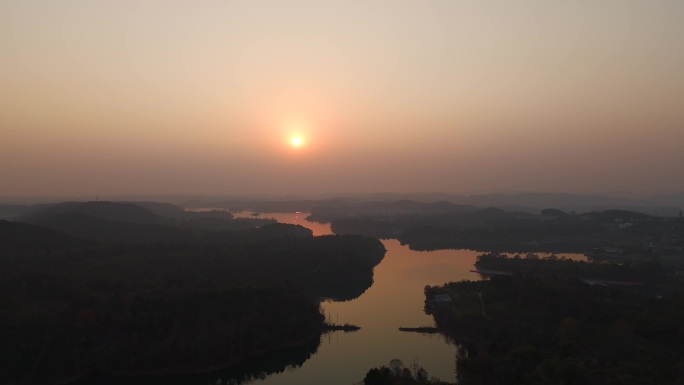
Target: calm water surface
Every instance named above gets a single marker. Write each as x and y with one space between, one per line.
395 299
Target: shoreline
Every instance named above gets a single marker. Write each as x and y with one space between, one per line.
186 369
421 329
590 281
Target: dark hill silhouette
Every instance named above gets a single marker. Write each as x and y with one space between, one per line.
531 201
406 204
16 236
496 215
167 210
86 226
490 213
12 211
554 213
613 215
150 213
445 206
267 206
282 230
546 200
341 209
112 211
267 232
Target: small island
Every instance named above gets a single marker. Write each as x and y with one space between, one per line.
345 327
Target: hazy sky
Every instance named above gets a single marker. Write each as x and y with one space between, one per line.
149 97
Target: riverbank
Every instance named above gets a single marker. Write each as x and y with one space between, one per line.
249 363
596 333
420 329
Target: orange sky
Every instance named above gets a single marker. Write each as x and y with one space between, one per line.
131 97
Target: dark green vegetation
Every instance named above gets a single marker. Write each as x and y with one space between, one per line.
420 329
610 234
277 361
191 293
643 271
344 327
398 374
544 329
135 222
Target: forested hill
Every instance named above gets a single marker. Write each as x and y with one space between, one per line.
95 228
524 329
203 300
18 237
636 271
113 211
146 222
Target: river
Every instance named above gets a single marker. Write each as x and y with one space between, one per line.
394 299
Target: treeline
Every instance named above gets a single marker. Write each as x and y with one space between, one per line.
137 334
444 226
636 271
396 373
530 238
142 222
488 229
183 267
550 330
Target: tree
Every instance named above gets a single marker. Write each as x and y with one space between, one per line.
397 366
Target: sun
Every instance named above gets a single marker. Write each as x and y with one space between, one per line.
296 141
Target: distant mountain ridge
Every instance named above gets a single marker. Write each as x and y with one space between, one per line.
109 221
90 227
662 205
150 222
112 211
528 199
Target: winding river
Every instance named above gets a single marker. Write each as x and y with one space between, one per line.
395 299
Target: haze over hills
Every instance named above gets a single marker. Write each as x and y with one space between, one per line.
160 208
659 204
533 202
536 200
122 212
182 183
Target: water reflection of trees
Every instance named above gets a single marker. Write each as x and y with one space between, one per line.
255 369
341 291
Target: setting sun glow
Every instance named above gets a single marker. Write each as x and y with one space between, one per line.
296 141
